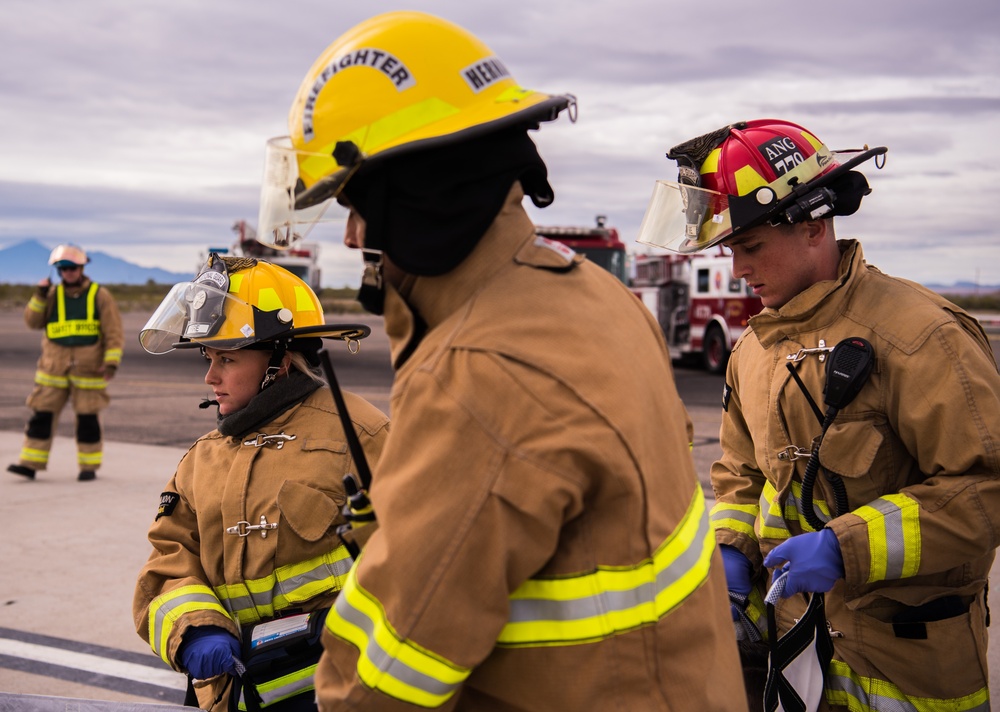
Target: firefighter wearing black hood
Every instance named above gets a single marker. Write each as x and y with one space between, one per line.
543 541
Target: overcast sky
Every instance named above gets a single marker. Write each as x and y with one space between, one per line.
137 127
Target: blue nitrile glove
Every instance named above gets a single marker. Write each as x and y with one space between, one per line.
814 562
739 571
207 651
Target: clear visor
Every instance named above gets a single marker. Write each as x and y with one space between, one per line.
200 313
279 223
683 218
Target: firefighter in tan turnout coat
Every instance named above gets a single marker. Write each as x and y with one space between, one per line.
861 432
246 530
81 351
543 542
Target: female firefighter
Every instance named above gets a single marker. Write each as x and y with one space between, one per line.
246 554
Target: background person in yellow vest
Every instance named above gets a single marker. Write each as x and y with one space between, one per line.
861 432
81 351
543 542
245 534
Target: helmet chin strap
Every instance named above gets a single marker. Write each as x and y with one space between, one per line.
274 364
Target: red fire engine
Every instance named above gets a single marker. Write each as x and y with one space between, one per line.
700 306
599 244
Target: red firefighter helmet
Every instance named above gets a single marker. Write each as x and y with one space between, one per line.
744 175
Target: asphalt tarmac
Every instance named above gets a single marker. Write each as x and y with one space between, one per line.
70 550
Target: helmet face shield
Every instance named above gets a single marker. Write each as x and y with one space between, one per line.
685 219
200 313
284 217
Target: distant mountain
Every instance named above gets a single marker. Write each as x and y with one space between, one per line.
27 262
964 288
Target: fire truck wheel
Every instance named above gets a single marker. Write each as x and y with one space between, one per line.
714 350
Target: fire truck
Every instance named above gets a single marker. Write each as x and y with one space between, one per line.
701 308
599 244
301 260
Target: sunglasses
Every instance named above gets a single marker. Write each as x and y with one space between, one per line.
71 268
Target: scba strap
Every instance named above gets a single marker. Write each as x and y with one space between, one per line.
799 660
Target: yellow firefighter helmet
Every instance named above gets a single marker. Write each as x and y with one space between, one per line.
395 82
239 302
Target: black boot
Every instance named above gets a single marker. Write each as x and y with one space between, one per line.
21 470
86 475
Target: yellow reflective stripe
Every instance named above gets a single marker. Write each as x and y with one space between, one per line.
303 299
613 600
112 356
252 600
794 510
77 327
89 458
847 688
772 521
36 305
88 384
32 455
737 517
383 132
47 379
268 299
283 687
893 537
166 609
387 662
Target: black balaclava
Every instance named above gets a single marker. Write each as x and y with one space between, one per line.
428 208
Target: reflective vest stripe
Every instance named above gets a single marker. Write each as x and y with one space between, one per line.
613 600
893 537
47 379
283 687
36 305
387 662
543 612
164 611
63 328
257 599
867 694
738 517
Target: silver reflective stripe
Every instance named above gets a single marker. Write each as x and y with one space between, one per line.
769 520
383 661
269 695
720 513
841 685
281 591
895 542
820 512
536 609
168 605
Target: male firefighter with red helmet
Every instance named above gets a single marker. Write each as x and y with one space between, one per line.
861 429
543 541
81 351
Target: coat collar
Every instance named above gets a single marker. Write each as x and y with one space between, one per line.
816 306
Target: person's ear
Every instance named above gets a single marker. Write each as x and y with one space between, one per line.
815 230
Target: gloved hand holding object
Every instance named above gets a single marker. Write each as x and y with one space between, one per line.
739 571
814 562
207 651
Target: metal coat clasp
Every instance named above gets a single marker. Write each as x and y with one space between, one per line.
244 528
263 440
